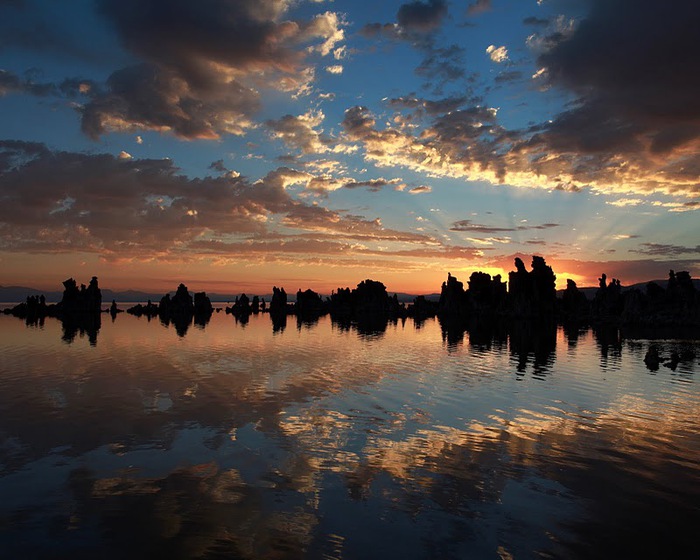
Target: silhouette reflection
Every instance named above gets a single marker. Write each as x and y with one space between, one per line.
609 342
83 325
279 322
529 339
533 338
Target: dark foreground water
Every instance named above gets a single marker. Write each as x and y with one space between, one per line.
237 441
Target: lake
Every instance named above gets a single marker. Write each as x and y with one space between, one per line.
336 441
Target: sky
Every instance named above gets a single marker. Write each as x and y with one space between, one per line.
240 144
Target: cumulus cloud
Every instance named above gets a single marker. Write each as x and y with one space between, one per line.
202 64
300 132
497 54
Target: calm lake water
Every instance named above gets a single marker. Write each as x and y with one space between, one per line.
322 441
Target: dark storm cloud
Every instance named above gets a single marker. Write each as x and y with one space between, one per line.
636 66
421 16
203 62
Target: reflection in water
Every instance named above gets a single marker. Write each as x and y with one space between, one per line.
86 325
341 440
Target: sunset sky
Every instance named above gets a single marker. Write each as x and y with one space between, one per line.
240 144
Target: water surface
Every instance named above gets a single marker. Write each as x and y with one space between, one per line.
326 441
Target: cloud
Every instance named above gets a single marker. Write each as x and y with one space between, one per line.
441 65
478 7
508 76
123 208
602 142
497 54
469 226
375 185
421 189
421 17
665 250
417 23
533 20
203 64
635 69
11 83
299 132
421 106
335 69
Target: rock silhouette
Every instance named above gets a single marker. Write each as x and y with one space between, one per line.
180 310
278 303
574 304
527 295
368 307
79 310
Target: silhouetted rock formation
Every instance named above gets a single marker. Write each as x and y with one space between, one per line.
81 301
453 298
202 305
368 299
486 295
179 310
139 310
309 304
676 306
241 307
422 309
79 310
532 294
32 310
182 309
278 303
608 303
528 295
113 309
574 304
